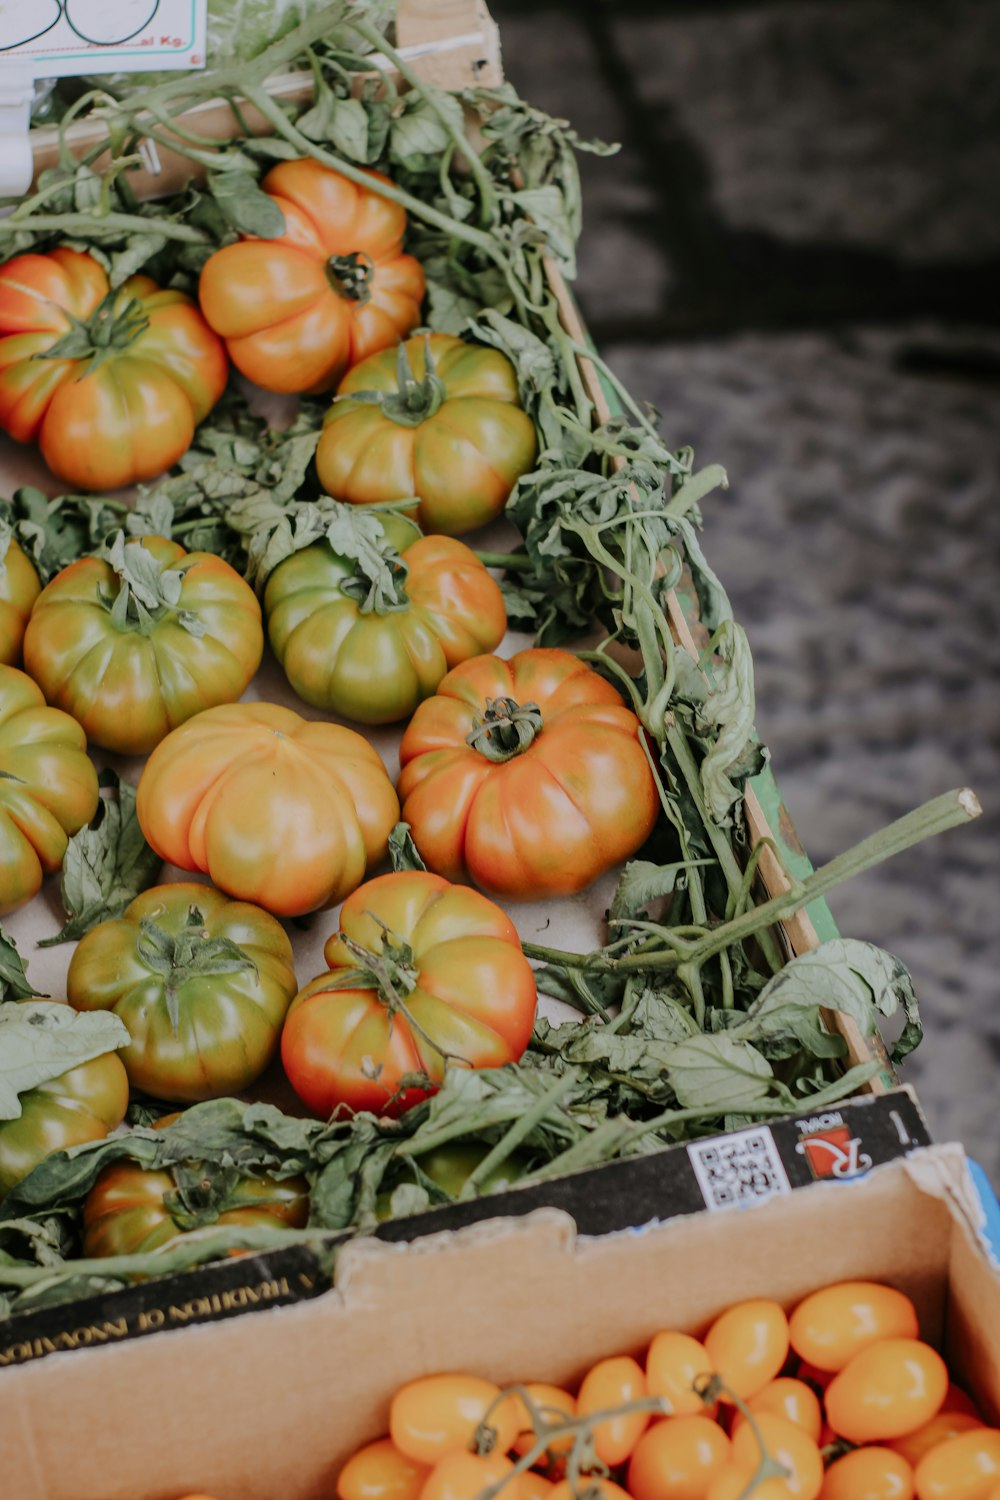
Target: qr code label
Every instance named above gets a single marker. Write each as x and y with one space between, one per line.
733 1170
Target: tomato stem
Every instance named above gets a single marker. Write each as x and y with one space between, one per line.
504 729
351 276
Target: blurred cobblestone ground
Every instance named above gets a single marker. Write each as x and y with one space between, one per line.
796 259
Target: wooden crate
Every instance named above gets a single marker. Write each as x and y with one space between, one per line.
455 44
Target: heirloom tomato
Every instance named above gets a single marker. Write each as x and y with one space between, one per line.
48 787
450 1167
380 1472
299 310
112 384
422 973
201 982
443 424
83 1104
371 638
19 588
527 776
138 641
132 1209
274 809
832 1325
438 1414
889 1389
610 1383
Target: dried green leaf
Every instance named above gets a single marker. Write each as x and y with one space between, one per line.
41 1040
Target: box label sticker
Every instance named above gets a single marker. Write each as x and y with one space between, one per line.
58 38
734 1170
831 1148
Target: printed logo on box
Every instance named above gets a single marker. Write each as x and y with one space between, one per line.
56 38
830 1148
737 1169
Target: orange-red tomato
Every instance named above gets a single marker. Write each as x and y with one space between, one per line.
464 1476
299 310
947 1424
453 435
889 1389
552 790
275 809
609 1383
789 1446
111 384
964 1468
20 586
438 1414
869 1474
448 983
553 1405
673 1364
748 1344
380 1472
832 1325
677 1459
788 1398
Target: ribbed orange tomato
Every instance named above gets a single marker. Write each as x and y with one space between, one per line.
111 384
299 310
526 776
422 973
20 586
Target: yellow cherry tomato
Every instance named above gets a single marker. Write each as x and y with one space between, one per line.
964 1468
677 1459
614 1382
380 1472
732 1481
674 1362
535 1486
789 1446
947 1424
791 1399
591 1485
748 1344
437 1414
869 1474
889 1389
832 1325
553 1405
464 1476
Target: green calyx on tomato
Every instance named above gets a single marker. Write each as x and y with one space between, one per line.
351 276
149 589
190 954
504 729
110 329
414 401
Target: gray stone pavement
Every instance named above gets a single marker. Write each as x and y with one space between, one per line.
795 259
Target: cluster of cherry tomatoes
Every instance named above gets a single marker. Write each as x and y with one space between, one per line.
841 1400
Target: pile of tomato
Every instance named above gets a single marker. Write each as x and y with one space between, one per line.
841 1400
526 777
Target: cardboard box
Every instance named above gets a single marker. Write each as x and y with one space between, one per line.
269 1408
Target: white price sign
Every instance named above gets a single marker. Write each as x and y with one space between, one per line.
56 38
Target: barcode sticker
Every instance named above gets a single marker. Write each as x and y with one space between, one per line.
734 1170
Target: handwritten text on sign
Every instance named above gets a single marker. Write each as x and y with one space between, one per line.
55 38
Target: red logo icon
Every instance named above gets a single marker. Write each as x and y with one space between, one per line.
834 1153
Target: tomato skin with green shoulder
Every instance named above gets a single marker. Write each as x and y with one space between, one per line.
299 310
372 653
433 976
201 982
450 1167
281 811
446 426
20 586
135 643
111 384
132 1209
527 776
83 1104
48 787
